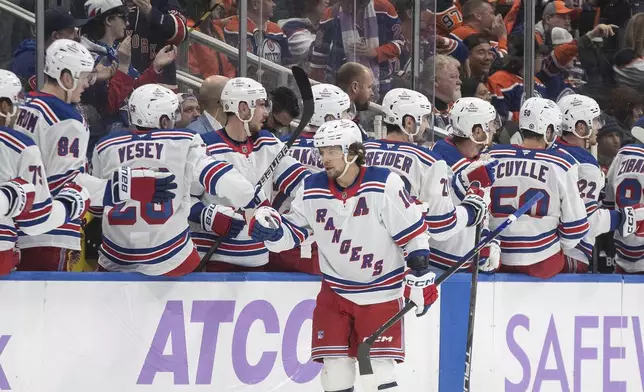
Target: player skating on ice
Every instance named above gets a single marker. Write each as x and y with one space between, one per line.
154 238
581 122
471 124
365 222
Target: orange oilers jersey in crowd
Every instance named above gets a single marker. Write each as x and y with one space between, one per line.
204 61
274 46
507 93
500 48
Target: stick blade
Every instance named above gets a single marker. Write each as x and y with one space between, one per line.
364 359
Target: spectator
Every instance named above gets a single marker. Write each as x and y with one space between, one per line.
555 14
285 108
480 56
475 87
189 108
59 23
155 24
479 18
300 32
625 105
212 116
356 80
506 85
609 141
629 68
204 61
274 46
442 75
369 34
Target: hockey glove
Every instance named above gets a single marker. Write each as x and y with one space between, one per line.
632 221
259 199
16 197
143 185
75 199
476 206
419 282
490 260
479 173
222 221
266 225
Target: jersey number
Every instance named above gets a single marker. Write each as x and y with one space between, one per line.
152 214
587 189
37 174
65 147
629 192
510 192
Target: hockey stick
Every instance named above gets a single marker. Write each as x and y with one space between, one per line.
364 349
304 85
203 18
472 315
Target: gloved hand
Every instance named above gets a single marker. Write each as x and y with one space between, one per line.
143 185
222 220
479 173
632 221
266 225
419 282
490 260
16 197
259 199
75 199
476 206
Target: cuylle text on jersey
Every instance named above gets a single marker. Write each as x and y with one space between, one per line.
392 159
345 245
138 150
27 120
536 170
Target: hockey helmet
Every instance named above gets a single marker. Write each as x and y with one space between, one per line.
11 89
65 54
576 108
330 101
239 90
537 114
149 103
468 113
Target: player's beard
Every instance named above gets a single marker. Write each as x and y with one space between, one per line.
333 173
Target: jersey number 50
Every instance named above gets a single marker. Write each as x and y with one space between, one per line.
498 193
152 214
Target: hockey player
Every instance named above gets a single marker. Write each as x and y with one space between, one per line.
581 121
533 244
367 228
471 123
426 176
250 150
50 118
154 238
331 103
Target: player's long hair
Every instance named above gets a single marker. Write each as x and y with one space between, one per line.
358 150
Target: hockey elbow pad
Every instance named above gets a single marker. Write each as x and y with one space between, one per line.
418 260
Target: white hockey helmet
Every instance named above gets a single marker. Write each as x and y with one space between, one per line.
330 101
239 90
65 54
96 8
401 102
577 107
11 89
468 113
341 133
149 103
537 114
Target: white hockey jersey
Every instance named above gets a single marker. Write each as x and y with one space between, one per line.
444 254
154 239
303 151
20 157
251 158
590 184
624 188
360 231
61 133
557 221
427 178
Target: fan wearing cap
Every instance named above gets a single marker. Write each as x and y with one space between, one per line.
106 27
59 23
155 24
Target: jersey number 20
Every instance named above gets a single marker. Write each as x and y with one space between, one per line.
151 213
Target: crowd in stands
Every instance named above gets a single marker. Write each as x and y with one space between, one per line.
468 48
